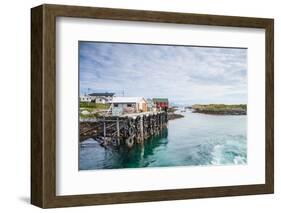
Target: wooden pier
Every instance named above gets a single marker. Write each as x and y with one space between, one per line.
127 129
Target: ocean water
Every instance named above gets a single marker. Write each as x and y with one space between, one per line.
195 140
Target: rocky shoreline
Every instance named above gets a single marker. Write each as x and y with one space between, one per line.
234 112
173 116
220 109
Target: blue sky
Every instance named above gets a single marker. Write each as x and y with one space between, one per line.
184 74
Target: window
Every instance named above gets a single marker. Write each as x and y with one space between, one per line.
115 105
129 105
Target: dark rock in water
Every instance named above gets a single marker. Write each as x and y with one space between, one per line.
172 116
87 130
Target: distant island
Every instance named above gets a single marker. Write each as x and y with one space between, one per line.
220 109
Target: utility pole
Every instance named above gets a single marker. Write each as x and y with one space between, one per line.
88 95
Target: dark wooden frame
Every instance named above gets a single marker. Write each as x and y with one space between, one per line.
43 105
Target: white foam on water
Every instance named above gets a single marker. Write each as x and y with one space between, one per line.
230 152
217 154
239 160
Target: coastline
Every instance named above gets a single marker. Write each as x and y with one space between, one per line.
173 116
220 109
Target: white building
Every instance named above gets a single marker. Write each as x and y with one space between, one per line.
85 98
124 105
101 98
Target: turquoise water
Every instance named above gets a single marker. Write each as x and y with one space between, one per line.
195 140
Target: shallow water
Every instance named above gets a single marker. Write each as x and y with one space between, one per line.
197 139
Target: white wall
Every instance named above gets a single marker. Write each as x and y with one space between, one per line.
15 106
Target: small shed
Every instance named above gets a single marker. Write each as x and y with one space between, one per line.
125 105
150 104
161 103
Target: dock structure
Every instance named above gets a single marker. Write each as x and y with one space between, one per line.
125 129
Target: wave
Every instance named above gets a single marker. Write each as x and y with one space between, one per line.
230 150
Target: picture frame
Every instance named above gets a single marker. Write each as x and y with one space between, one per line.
44 114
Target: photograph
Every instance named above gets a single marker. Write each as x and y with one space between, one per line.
140 105
156 105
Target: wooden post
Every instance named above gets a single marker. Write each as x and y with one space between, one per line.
118 131
104 130
141 127
160 121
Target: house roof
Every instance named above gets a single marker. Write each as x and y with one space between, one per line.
127 99
165 100
107 94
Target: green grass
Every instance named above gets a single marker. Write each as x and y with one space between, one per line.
95 115
93 106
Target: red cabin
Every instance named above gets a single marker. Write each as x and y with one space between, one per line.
161 103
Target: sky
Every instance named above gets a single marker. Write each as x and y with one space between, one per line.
184 74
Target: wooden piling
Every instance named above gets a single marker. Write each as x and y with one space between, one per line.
141 128
104 131
118 130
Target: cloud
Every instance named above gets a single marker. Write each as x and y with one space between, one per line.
184 74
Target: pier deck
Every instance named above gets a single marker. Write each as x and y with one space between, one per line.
125 129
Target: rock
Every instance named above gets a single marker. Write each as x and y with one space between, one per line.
85 112
172 116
